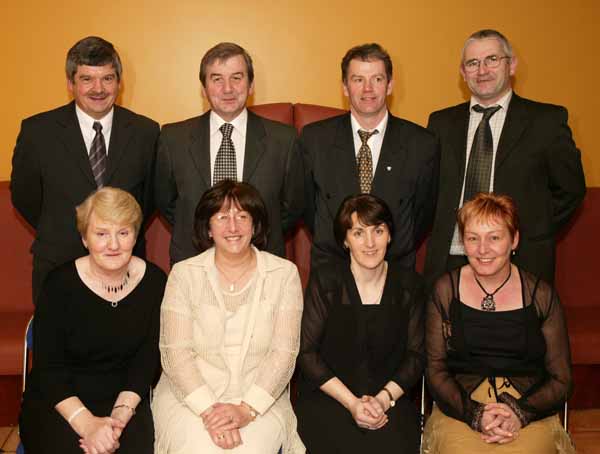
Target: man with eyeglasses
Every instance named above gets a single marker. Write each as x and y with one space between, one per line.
500 142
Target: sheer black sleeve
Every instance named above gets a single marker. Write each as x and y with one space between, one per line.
411 367
314 318
548 397
450 396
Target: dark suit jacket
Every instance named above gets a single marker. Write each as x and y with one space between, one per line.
537 164
272 164
51 174
405 178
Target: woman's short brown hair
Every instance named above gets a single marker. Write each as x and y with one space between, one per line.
241 194
488 207
111 205
369 209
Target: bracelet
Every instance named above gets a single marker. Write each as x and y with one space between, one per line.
392 401
253 413
125 406
75 413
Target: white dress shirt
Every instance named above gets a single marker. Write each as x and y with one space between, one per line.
496 125
86 124
238 137
375 141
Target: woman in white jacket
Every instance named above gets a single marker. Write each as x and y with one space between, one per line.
230 324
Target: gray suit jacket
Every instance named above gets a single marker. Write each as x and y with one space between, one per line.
405 178
537 164
272 164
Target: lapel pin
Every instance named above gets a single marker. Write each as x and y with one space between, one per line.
389 168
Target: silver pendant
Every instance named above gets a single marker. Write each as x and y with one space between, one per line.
114 304
488 304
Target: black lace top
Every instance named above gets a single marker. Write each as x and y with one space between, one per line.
528 346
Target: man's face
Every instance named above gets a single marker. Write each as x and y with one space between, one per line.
367 87
227 86
488 85
95 89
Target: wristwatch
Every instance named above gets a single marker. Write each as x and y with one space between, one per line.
392 401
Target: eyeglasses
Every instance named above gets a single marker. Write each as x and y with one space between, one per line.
240 217
491 61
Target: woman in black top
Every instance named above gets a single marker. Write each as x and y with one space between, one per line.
361 343
96 331
498 361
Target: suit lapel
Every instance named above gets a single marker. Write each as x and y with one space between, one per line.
516 122
344 158
255 145
457 137
199 147
120 136
72 138
392 156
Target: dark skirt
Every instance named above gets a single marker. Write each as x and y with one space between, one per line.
44 431
326 427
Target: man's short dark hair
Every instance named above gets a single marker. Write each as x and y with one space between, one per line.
369 209
92 51
240 194
367 52
222 52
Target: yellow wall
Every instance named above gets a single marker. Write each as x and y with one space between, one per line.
297 47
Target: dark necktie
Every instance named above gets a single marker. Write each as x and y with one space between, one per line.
98 155
479 169
365 161
225 167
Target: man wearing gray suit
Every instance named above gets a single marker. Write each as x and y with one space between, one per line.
228 141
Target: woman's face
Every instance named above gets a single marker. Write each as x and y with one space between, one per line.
488 245
367 243
110 245
231 229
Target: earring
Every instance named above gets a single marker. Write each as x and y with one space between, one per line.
513 252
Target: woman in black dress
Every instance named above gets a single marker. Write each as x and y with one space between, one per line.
96 331
362 342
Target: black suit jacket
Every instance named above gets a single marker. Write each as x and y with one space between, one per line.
405 178
51 174
537 164
272 164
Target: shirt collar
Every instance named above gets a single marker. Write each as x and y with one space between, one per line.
86 123
380 127
239 123
502 102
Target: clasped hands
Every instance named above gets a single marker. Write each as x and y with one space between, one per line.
223 421
369 413
499 424
100 435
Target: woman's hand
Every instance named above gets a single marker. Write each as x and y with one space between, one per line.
226 439
499 424
368 413
99 435
225 417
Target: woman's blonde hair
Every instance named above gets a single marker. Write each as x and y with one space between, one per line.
111 205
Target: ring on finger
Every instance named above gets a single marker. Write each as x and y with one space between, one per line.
221 436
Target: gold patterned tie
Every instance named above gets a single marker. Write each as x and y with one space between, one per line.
365 161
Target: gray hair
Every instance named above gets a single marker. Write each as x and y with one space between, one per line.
487 34
92 51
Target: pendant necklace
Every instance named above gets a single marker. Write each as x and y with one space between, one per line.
487 303
236 280
116 288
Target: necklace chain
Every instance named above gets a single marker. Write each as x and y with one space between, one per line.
487 303
232 283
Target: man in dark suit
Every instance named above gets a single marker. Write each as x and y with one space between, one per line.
52 163
369 150
228 141
532 158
